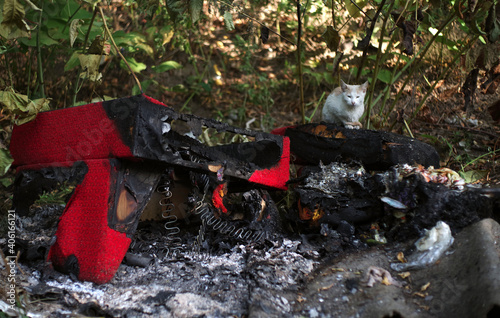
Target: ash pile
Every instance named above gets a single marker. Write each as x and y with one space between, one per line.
324 248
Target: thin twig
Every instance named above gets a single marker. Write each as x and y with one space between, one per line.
90 28
369 36
256 21
422 53
333 15
378 63
39 55
118 50
299 65
78 83
361 10
71 18
17 263
305 9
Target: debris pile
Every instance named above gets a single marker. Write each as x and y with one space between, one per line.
222 234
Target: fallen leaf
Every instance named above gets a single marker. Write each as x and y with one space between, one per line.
419 294
326 287
386 281
404 275
424 288
401 257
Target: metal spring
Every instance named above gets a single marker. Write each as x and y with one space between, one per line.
205 179
196 250
167 208
224 227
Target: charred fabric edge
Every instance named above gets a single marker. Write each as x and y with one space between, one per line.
32 181
377 150
130 191
145 127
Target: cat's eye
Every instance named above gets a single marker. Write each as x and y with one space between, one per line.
349 96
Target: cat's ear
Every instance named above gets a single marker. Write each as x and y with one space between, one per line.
343 85
365 86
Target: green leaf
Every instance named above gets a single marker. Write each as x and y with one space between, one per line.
384 76
6 182
90 65
176 8
12 32
472 176
45 40
21 106
13 25
5 161
166 66
56 196
133 41
55 27
33 108
136 67
332 38
353 9
228 20
73 62
13 13
145 85
195 8
13 102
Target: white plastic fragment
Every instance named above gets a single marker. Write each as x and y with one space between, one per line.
394 203
430 248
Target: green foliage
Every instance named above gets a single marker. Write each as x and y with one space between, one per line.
21 109
5 161
166 66
332 38
228 18
353 6
57 33
57 196
195 7
136 67
405 22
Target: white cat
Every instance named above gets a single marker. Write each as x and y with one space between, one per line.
345 105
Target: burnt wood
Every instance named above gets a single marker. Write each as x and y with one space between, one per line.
376 150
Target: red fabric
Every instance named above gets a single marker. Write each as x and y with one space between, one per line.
70 134
83 229
281 131
152 100
278 175
218 197
85 133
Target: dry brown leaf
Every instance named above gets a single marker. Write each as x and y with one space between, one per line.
401 257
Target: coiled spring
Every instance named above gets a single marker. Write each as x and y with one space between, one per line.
170 219
206 215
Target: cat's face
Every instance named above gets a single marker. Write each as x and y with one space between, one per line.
354 95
